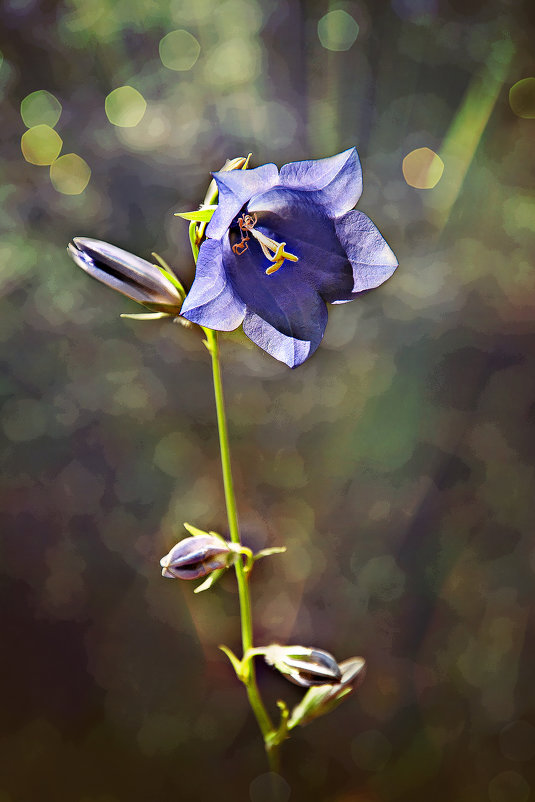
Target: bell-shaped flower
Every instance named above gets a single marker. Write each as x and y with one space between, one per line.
279 247
154 287
302 665
195 557
322 699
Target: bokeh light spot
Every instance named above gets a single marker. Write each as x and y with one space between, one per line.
179 50
522 98
509 786
40 107
371 750
422 168
236 61
269 787
41 145
125 107
70 174
337 30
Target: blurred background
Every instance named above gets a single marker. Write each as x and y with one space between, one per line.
396 464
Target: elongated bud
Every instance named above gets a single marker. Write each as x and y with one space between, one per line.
239 163
128 274
320 700
194 557
302 665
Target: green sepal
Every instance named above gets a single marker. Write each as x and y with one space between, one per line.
268 552
210 580
193 240
237 665
208 345
147 315
316 702
276 737
166 271
202 215
194 530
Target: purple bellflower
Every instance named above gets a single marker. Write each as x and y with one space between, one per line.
282 244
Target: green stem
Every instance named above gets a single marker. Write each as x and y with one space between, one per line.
264 721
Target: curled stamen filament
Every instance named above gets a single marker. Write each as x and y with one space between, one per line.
272 250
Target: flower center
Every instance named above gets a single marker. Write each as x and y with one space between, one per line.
272 250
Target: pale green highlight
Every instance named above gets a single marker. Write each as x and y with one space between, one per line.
40 108
125 107
522 98
41 145
70 174
422 168
337 30
179 50
465 132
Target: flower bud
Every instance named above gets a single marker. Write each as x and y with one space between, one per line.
194 557
302 665
239 163
320 700
129 274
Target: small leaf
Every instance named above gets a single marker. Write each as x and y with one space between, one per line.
194 530
147 315
216 534
166 271
236 664
203 215
268 552
210 580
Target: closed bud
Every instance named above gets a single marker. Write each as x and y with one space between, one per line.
239 163
302 665
195 557
320 700
128 274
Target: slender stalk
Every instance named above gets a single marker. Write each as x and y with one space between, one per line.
262 716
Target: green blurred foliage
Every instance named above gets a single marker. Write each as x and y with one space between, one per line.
396 464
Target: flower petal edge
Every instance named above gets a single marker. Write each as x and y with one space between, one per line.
371 258
212 302
336 179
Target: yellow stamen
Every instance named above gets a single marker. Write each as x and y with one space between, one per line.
279 254
272 250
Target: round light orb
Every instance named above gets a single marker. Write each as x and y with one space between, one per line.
179 50
70 174
40 108
41 145
522 98
422 168
337 30
125 107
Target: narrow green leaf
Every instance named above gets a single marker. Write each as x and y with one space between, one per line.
166 271
210 580
194 530
268 552
203 215
147 315
236 664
